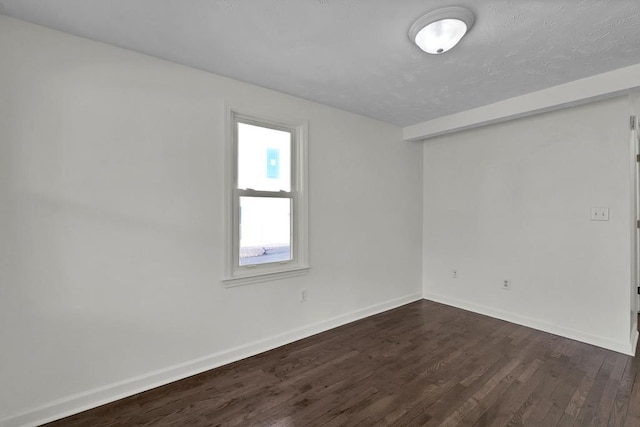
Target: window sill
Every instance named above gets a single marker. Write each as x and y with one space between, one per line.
265 277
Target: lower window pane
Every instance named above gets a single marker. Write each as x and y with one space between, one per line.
265 230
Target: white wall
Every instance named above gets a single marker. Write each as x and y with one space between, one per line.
512 201
111 223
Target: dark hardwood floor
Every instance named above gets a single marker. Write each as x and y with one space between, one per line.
420 364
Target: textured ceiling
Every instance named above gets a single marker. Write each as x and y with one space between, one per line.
355 54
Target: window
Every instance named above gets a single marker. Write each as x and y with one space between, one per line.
267 212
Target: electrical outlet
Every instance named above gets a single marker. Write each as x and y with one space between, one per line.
599 214
303 295
454 274
506 285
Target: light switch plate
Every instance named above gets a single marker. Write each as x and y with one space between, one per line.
599 214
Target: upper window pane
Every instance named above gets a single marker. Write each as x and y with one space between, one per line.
264 158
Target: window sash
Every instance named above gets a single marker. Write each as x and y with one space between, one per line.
249 192
293 234
256 193
293 143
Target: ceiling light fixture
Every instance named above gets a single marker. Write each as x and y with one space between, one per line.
440 30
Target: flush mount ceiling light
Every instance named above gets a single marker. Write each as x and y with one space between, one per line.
440 30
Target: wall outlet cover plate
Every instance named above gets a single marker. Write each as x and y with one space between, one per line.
599 214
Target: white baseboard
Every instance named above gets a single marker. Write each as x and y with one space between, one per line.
99 396
620 347
634 342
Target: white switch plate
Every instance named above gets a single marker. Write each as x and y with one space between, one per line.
599 214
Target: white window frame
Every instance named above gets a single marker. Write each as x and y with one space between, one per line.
235 274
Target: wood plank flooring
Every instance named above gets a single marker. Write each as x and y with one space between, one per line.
423 364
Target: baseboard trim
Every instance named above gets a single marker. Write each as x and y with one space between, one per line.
620 347
634 342
99 396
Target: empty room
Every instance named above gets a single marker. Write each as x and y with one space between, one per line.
319 212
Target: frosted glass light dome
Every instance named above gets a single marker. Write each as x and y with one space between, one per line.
440 30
